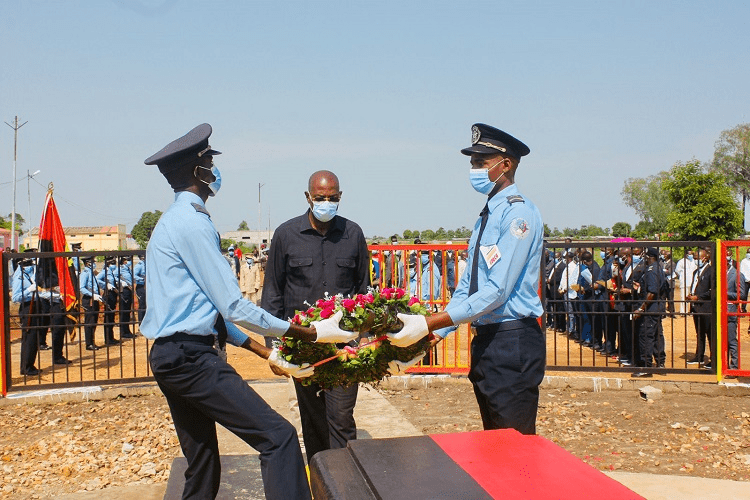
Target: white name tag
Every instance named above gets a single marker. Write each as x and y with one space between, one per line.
491 255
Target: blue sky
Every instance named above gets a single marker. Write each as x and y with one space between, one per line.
381 93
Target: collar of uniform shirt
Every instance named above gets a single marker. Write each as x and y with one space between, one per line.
338 224
501 197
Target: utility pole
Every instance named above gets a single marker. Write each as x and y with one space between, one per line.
15 127
260 227
29 176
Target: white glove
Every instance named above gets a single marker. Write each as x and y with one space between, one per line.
328 330
32 288
397 367
110 286
295 371
97 297
415 327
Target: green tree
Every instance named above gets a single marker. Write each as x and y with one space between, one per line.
591 231
704 208
7 222
463 232
621 229
645 230
440 234
547 232
649 199
243 226
225 243
144 227
427 235
407 234
732 158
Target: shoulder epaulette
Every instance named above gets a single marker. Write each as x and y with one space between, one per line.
515 198
201 209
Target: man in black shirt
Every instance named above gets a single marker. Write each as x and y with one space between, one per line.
310 255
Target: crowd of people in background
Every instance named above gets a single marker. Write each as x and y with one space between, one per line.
615 304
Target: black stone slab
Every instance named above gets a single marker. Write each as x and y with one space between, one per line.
240 478
391 469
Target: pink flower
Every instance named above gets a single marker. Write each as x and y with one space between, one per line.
386 293
413 301
349 304
310 311
326 313
368 298
320 303
400 292
296 320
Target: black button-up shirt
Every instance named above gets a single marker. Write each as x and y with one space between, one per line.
303 264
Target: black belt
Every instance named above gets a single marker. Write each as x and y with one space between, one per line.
186 337
506 326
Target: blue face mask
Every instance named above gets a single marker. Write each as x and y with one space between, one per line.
622 261
480 180
425 259
690 258
216 184
636 259
324 210
603 254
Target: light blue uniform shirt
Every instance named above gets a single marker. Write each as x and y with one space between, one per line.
125 275
139 273
509 286
89 284
189 282
109 275
22 280
429 280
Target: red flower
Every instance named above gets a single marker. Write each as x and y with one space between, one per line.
320 303
349 304
413 301
386 293
310 311
368 298
296 320
400 292
326 313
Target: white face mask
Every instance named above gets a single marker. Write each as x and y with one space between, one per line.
324 210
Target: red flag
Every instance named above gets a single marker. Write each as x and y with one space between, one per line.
57 275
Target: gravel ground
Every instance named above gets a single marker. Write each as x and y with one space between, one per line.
50 449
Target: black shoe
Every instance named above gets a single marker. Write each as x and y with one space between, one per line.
127 336
112 342
62 361
641 375
31 372
92 347
44 347
693 361
708 366
586 343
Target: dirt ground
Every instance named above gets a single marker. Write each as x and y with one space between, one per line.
49 449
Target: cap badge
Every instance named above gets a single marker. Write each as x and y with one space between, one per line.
475 134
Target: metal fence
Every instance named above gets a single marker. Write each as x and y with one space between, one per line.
591 318
38 327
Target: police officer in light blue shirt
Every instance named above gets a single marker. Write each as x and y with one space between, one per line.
23 293
91 297
498 293
139 275
195 296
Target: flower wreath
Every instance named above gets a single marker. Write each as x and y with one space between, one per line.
364 361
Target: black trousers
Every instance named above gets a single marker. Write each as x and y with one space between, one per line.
507 367
126 311
203 390
703 331
90 318
327 417
140 292
648 338
29 340
53 317
110 305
